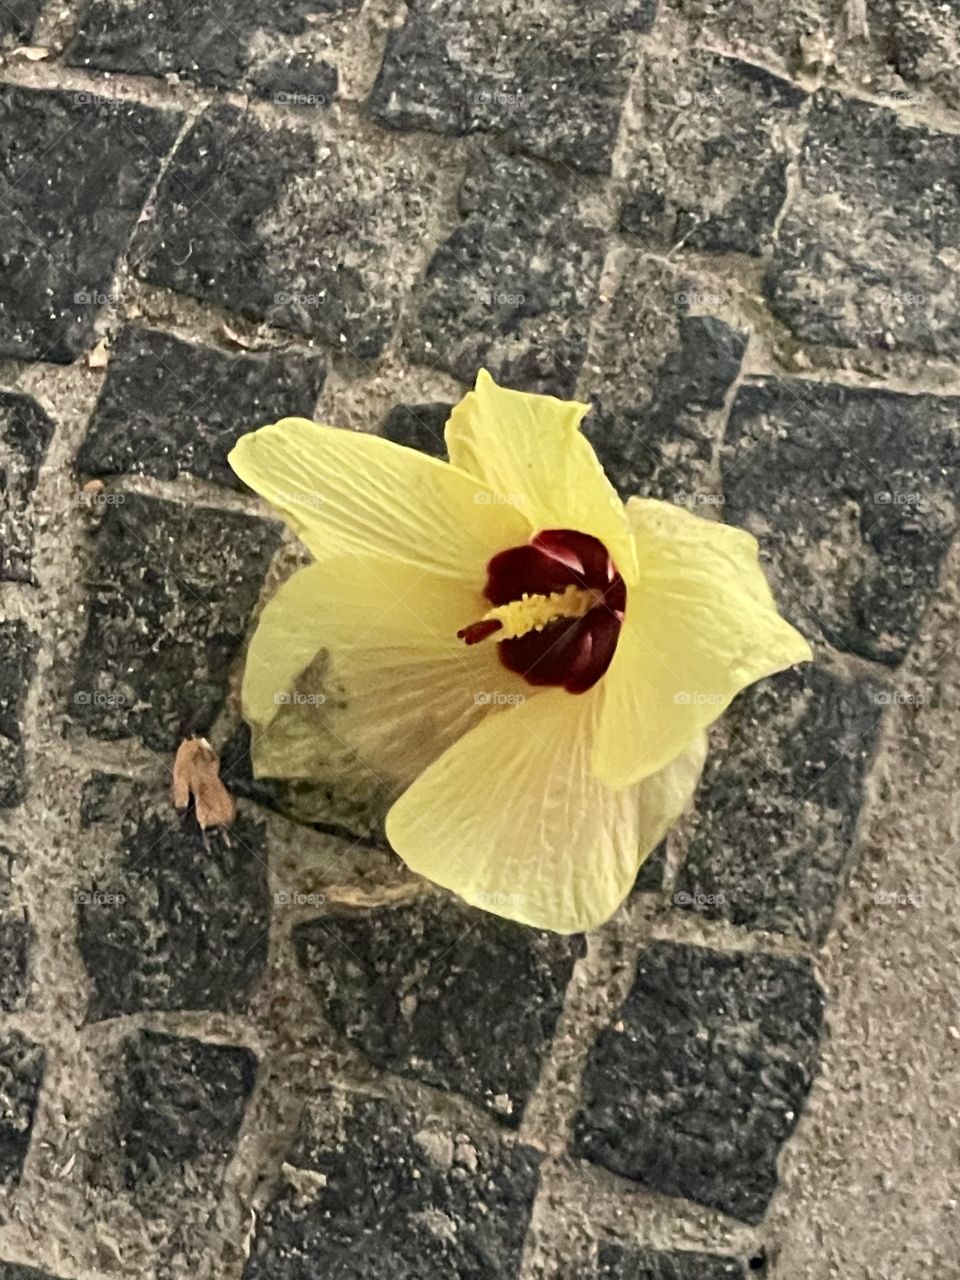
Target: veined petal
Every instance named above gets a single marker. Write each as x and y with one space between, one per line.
387 677
700 626
511 819
529 449
344 491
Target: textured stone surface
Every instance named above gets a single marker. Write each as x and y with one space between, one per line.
175 919
777 811
864 254
854 494
551 77
375 1192
198 42
168 607
707 165
701 1078
920 41
21 1074
418 426
449 995
15 939
244 218
25 432
18 18
797 35
176 1108
169 406
59 255
619 1263
512 288
18 647
12 1271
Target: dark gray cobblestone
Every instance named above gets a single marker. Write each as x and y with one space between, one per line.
60 254
777 810
418 426
170 594
21 1074
17 20
863 254
175 919
25 433
551 78
513 287
855 494
375 1192
245 218
202 44
701 1078
170 407
708 165
458 999
18 648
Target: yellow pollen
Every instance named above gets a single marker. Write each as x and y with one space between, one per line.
532 613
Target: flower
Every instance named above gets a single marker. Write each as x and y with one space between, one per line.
527 663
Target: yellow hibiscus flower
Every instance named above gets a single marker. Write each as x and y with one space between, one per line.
528 664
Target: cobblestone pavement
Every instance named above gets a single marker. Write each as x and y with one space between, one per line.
274 1054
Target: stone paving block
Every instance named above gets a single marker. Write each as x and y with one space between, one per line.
314 231
169 406
777 811
13 1271
175 1111
21 1074
18 648
920 41
448 995
18 19
788 35
854 494
661 367
15 939
707 165
177 920
513 287
551 77
418 426
296 80
619 1263
64 222
700 1079
650 876
170 595
864 254
374 1192
223 48
25 433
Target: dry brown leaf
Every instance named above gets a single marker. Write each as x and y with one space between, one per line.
196 772
32 52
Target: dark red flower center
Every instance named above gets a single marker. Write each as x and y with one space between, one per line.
567 573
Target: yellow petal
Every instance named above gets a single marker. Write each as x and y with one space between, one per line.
395 685
530 450
511 819
700 626
344 491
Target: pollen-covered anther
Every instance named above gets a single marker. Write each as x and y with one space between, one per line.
531 613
